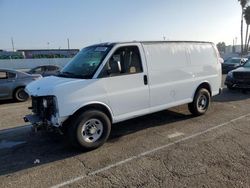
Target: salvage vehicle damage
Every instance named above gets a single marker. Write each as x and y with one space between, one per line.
113 82
45 113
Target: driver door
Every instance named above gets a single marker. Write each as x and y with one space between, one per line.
125 80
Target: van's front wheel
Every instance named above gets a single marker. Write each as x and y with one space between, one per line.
201 102
89 130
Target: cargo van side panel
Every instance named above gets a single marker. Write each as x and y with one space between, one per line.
205 65
170 74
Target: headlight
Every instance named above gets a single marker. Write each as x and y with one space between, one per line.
230 74
45 103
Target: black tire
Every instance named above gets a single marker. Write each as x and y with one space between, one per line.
201 102
244 91
78 132
229 87
20 95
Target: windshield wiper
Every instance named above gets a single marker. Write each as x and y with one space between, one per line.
66 74
72 75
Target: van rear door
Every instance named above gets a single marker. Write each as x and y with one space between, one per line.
125 79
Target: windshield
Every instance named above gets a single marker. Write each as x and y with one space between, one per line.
247 64
233 61
86 62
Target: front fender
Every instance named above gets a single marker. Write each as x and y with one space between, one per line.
88 104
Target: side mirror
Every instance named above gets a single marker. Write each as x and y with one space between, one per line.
221 60
242 62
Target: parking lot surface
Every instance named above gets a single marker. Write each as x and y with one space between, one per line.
165 149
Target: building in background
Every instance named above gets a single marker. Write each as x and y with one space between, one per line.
11 55
37 54
231 51
49 53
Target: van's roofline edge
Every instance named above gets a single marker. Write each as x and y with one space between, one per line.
164 41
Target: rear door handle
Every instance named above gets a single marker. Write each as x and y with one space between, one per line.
145 79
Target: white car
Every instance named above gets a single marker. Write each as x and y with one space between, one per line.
112 82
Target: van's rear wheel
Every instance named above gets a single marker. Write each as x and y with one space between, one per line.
89 130
201 102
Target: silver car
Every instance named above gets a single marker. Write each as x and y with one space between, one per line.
12 84
45 70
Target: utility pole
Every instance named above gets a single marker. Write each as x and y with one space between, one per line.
68 43
12 42
233 48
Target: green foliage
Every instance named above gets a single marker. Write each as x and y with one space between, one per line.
243 3
221 47
247 15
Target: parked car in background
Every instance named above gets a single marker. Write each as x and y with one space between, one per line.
239 78
45 70
232 63
12 84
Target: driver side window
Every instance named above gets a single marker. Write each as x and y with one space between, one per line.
3 75
38 70
125 60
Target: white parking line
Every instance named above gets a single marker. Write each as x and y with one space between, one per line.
145 153
176 134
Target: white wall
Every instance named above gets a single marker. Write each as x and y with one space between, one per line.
30 63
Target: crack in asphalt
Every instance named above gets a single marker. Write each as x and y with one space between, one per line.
108 179
83 164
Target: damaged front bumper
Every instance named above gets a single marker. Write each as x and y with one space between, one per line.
44 113
38 123
33 119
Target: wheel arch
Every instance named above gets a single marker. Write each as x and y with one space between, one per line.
96 106
205 85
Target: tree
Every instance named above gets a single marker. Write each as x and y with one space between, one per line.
243 4
247 19
221 47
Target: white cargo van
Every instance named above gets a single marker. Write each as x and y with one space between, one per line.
112 82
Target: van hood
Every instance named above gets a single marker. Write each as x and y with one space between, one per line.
48 85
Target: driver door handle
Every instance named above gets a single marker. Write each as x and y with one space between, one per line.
145 79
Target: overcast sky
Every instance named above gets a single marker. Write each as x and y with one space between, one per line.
48 23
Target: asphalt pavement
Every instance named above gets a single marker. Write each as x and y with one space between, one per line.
165 149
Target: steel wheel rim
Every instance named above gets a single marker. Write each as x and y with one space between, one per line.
202 102
92 130
22 95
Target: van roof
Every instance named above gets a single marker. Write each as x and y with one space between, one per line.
126 42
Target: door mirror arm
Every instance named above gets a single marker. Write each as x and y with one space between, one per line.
114 68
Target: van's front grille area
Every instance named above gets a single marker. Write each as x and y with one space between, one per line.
242 76
44 107
37 105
